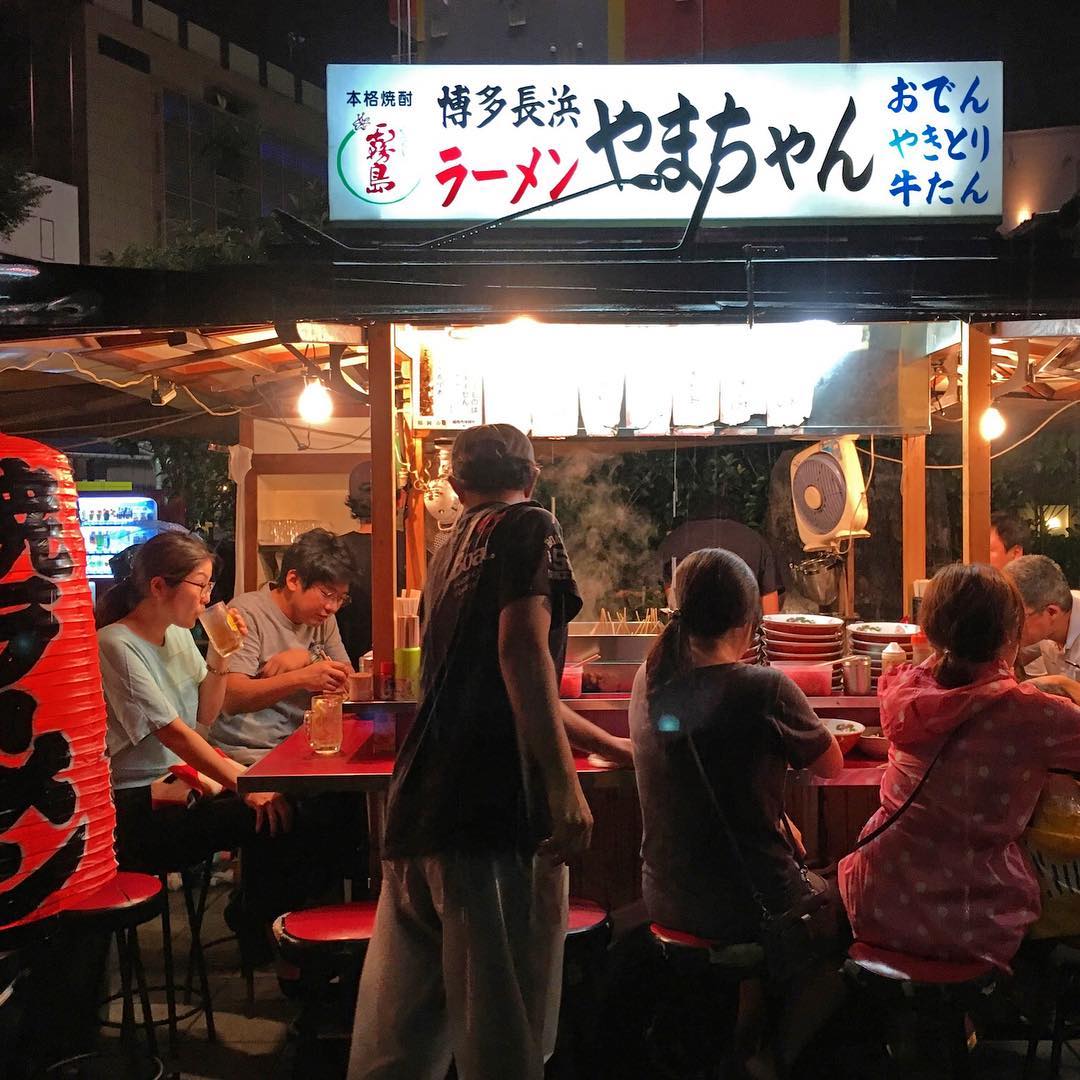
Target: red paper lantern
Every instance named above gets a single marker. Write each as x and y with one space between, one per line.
56 808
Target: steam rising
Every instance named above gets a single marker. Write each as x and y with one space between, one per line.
611 544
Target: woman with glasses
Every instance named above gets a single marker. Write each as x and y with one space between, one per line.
157 689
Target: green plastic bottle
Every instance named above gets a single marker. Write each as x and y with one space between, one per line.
407 673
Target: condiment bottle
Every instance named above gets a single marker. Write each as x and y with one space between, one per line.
920 648
384 685
892 656
407 673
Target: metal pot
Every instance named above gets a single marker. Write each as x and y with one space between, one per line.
818 577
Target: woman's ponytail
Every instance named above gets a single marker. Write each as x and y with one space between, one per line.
170 555
669 657
716 591
117 602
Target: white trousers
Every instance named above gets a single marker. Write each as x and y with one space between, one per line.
465 961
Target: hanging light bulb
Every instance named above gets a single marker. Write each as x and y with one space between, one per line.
991 424
314 404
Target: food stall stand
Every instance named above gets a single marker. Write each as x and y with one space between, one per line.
323 308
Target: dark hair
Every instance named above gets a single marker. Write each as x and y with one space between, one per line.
1013 532
708 504
359 508
970 613
359 498
493 457
169 555
318 557
716 591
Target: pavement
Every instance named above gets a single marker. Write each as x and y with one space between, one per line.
261 1044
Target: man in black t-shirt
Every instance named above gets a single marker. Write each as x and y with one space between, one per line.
733 536
484 805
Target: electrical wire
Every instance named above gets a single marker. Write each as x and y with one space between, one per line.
206 408
993 457
131 434
101 378
26 367
106 423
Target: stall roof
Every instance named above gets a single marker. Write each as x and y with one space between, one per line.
228 337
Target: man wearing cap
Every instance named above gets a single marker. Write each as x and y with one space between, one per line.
484 805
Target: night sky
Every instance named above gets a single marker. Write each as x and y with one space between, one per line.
1036 38
333 30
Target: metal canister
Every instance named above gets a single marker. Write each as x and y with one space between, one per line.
857 676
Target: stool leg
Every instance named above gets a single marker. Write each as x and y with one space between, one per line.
167 958
956 1033
1058 1038
189 978
196 930
127 1020
144 993
200 961
1029 1057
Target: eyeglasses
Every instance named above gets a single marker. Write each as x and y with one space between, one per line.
339 600
205 587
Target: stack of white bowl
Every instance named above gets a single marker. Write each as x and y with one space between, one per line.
871 638
804 639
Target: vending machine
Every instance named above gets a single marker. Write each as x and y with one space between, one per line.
111 522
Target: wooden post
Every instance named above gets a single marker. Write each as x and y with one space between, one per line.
247 512
415 539
913 492
976 398
383 490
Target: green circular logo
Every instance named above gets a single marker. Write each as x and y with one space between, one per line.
353 191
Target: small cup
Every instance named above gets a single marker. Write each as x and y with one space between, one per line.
570 684
857 676
361 687
221 630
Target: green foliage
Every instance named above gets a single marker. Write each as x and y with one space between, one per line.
200 477
20 192
1064 550
1042 474
188 247
615 508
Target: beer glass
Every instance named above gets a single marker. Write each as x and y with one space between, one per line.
323 723
221 630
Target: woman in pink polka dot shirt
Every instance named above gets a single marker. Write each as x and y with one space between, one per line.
949 880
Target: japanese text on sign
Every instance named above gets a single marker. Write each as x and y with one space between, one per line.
610 144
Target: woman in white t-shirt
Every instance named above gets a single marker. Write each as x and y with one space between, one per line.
157 689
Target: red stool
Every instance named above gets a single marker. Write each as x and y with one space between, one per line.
923 1003
118 908
325 943
588 934
698 1024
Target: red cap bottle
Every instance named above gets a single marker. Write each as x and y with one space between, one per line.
384 685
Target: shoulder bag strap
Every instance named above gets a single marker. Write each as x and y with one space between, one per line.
889 822
729 833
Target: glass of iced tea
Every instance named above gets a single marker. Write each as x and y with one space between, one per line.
221 630
323 723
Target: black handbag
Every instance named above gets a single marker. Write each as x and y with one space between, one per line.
793 940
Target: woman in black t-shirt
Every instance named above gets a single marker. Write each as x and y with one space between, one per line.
748 724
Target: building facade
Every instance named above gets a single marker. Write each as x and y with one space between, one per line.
613 31
159 124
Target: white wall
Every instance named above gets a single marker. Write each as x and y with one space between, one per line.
51 234
1042 171
342 435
